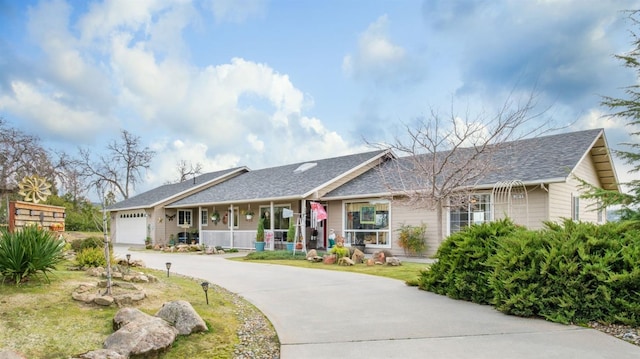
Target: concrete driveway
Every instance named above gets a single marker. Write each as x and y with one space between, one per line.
330 314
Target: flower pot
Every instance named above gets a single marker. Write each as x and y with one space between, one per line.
249 217
259 246
289 246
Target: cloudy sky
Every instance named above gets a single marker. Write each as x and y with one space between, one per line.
264 83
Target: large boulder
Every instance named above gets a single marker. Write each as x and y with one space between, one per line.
145 338
181 314
129 315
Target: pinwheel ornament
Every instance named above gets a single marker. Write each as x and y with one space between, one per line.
34 189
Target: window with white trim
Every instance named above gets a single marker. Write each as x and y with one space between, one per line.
367 223
184 217
475 209
204 217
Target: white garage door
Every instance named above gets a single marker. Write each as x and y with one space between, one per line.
131 227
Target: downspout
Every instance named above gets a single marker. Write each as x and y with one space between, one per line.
546 201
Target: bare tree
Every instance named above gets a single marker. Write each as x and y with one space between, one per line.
442 159
119 169
188 169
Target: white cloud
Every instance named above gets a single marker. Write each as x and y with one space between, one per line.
377 58
51 115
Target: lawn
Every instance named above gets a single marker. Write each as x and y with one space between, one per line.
41 320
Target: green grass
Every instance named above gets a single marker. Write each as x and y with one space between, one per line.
41 320
408 272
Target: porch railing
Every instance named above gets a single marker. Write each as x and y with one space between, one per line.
228 239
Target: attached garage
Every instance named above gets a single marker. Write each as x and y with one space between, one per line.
131 227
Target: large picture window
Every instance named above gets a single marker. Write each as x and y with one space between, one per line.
278 221
475 209
367 223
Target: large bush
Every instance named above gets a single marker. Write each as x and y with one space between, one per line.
27 252
570 273
461 271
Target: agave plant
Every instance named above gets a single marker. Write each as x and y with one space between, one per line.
27 252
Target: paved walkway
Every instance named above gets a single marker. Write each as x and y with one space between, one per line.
330 314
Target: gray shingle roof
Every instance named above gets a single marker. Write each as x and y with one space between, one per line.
165 192
546 158
279 182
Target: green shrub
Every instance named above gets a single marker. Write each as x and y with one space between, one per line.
339 252
571 273
461 271
413 239
27 252
90 242
91 257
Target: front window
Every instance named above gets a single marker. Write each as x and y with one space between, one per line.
184 218
475 209
204 217
367 223
276 216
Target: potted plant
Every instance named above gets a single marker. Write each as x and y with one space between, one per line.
215 217
249 214
260 236
291 233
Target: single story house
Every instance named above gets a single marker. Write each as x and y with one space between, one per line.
531 180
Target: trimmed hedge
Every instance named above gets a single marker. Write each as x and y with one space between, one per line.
570 272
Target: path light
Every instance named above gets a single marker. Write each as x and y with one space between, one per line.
168 267
128 263
205 287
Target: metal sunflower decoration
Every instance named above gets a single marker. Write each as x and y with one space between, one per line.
34 189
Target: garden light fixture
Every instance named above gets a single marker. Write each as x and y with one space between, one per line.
205 287
168 264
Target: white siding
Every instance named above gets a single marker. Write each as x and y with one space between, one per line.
402 214
560 194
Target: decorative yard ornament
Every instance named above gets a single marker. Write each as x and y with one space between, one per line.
34 189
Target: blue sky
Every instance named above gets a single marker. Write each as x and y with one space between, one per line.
264 83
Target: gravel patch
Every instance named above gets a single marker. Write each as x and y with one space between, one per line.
258 339
624 332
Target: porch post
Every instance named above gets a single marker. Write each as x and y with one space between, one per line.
231 224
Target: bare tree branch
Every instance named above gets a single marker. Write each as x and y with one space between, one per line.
441 159
120 168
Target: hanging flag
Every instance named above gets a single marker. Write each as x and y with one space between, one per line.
319 209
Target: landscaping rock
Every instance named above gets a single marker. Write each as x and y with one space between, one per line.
312 253
101 354
393 261
103 300
345 261
146 338
125 316
124 299
357 256
182 315
329 259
